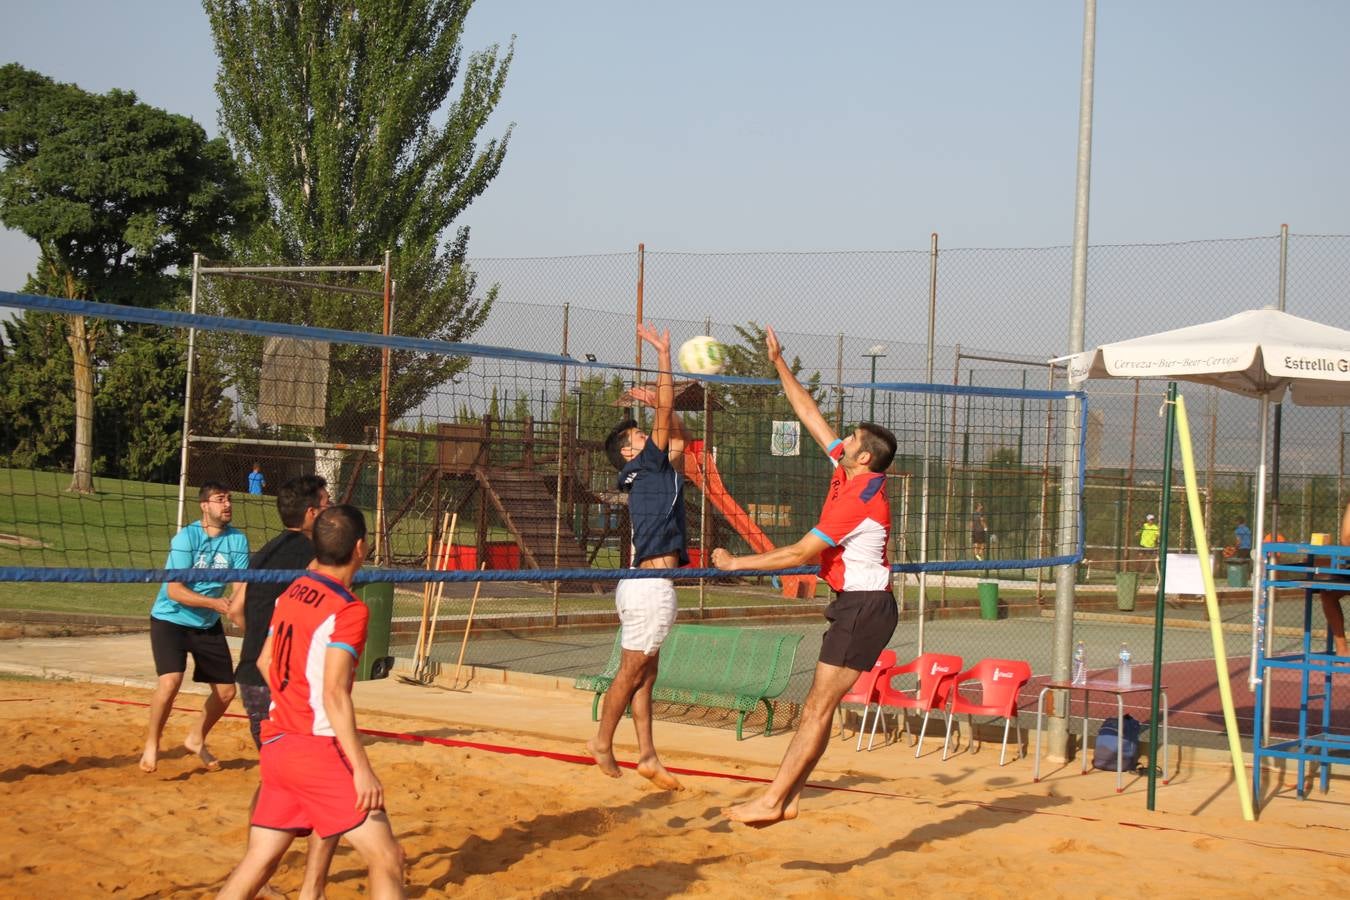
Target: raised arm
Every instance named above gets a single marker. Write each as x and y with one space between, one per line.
803 404
679 435
665 385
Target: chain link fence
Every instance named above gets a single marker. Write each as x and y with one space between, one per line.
860 317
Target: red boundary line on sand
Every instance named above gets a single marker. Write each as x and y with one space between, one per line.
579 759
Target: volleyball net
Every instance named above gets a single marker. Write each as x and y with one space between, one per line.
477 462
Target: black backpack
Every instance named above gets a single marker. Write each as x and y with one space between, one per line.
1104 754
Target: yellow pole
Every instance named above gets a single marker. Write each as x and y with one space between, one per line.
1212 604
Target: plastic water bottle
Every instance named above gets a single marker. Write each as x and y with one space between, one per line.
1079 664
1123 678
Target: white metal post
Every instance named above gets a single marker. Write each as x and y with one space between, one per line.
187 396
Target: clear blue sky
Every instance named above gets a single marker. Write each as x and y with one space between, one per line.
860 125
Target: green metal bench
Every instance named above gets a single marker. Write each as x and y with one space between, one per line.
713 665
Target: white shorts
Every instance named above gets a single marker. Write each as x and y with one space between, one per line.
647 608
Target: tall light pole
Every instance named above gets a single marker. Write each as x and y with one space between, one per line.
875 352
1062 649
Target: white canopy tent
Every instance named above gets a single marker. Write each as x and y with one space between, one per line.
1261 353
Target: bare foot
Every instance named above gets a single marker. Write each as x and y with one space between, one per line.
604 759
198 746
758 812
653 771
267 892
150 757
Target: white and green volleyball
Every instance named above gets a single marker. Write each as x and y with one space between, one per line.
702 355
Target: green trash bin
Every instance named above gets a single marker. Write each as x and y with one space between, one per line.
1237 575
988 599
1127 585
379 599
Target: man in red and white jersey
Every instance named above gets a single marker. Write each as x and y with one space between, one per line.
315 774
849 540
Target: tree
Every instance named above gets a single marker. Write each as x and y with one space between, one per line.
116 194
342 111
750 359
36 397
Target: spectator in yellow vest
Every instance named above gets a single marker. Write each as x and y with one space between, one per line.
1148 540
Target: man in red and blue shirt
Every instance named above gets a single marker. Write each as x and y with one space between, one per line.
849 541
315 773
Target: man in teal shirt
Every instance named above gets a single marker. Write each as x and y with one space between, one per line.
186 620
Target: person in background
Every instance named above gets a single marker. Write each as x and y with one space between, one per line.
979 532
1242 544
1243 535
1331 600
256 480
1148 541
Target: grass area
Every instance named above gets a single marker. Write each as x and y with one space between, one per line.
124 524
15 676
100 599
128 524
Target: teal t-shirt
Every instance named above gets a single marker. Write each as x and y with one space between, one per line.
192 548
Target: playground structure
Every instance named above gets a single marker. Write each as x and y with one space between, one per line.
501 472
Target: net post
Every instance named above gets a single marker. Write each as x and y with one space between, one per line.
564 461
381 539
187 396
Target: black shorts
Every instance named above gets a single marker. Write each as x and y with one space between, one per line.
171 643
257 700
861 625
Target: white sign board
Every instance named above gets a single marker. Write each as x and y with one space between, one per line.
1184 575
786 439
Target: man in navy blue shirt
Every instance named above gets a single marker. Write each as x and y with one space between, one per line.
649 474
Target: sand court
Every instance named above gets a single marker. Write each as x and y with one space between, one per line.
493 818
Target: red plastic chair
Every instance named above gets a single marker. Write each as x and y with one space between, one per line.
864 691
1000 681
935 672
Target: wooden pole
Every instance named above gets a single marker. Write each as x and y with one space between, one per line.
468 624
382 539
435 590
426 602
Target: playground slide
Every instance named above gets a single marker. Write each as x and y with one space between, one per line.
702 472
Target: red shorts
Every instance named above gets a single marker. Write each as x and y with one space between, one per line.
306 786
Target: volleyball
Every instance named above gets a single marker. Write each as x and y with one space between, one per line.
702 355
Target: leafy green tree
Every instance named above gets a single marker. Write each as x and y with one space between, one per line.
750 359
37 406
116 194
343 112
